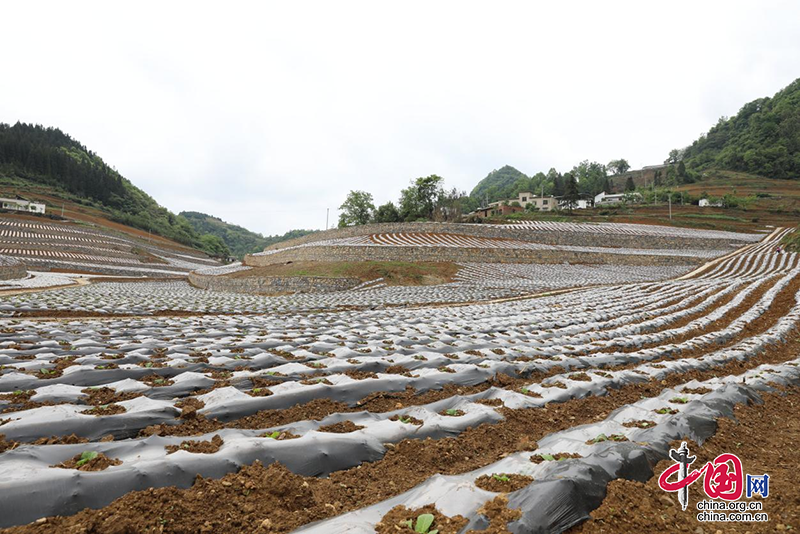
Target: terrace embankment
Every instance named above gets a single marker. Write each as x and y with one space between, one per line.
579 235
460 243
11 268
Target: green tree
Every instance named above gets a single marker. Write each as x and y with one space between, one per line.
681 170
629 185
618 166
387 213
674 157
571 194
419 200
356 209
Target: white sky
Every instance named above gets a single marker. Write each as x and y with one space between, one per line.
267 113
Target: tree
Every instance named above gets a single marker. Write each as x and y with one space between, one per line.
618 166
681 170
675 156
356 209
419 200
451 205
387 213
629 185
571 194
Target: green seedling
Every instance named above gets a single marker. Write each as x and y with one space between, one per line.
405 419
452 411
612 437
423 524
547 457
256 390
679 400
148 364
158 381
273 435
501 478
46 371
666 411
86 457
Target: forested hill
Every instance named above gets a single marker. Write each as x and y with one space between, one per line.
498 185
763 138
239 240
48 156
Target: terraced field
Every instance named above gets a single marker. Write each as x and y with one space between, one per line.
67 246
485 402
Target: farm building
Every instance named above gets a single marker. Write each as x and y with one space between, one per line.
496 208
705 203
20 204
541 203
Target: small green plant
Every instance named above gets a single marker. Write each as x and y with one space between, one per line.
86 457
453 412
547 457
666 411
679 400
603 437
405 419
273 435
256 390
501 478
422 525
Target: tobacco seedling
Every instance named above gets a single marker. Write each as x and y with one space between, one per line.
501 478
665 411
273 435
423 524
86 457
679 400
547 457
452 411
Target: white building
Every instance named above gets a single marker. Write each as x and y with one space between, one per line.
705 203
19 204
541 203
604 199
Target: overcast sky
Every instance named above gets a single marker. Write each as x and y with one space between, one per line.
267 113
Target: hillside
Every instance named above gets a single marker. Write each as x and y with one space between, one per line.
763 139
239 240
498 184
50 163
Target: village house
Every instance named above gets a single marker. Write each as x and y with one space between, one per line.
605 199
20 204
540 203
496 208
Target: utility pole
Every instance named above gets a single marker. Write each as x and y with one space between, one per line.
669 197
62 211
327 213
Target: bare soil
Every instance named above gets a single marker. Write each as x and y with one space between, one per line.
766 441
198 447
497 482
396 521
100 462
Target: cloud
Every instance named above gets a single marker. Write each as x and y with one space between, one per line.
266 114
